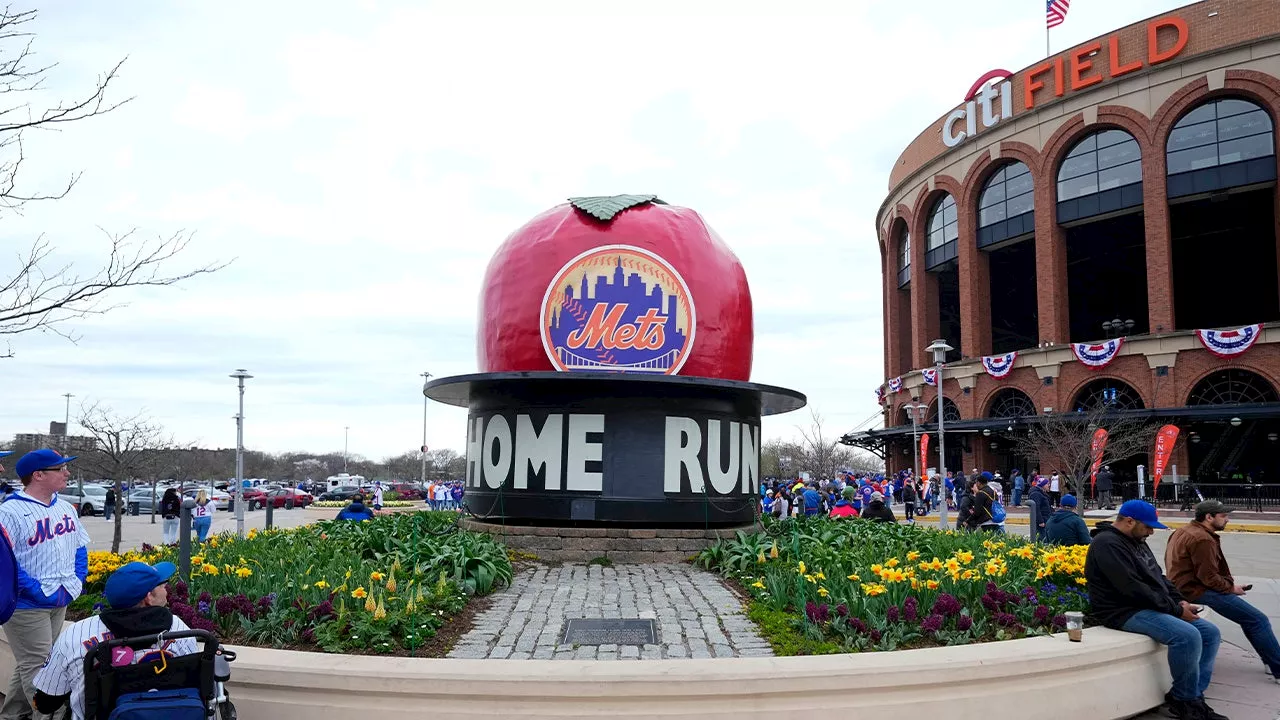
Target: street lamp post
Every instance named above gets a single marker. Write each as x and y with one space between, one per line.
940 348
240 375
346 438
916 411
425 377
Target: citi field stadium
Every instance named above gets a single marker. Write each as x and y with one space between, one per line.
1097 232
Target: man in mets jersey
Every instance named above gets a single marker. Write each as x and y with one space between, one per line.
138 594
51 547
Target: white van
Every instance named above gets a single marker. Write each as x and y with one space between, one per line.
334 481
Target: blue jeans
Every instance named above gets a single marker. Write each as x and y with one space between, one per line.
107 509
201 525
1256 625
1017 496
1193 646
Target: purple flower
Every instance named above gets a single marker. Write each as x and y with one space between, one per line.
909 612
964 622
990 603
892 614
842 610
991 588
1048 588
203 607
824 613
910 602
1005 619
932 624
1042 613
946 605
308 635
1060 622
205 596
817 614
225 605
857 624
875 635
98 607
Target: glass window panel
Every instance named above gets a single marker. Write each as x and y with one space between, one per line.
1234 106
1089 144
904 251
1238 126
935 222
1076 187
1019 184
1107 138
1118 154
1245 149
935 239
1020 204
1077 166
991 215
1119 176
1192 159
952 232
1016 170
1200 114
1181 138
992 195
949 211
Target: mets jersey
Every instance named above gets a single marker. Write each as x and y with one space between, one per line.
51 547
63 672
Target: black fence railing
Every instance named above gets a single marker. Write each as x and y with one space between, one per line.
1243 496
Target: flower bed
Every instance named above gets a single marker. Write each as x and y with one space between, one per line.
384 586
825 586
343 503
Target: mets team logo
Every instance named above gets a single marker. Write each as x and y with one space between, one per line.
619 308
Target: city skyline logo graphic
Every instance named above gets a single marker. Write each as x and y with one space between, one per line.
618 308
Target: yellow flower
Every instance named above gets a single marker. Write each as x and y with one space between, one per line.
773 551
1081 581
243 572
197 559
253 533
891 562
376 576
931 584
876 569
915 584
874 589
810 578
321 584
820 576
912 556
823 592
380 612
209 569
801 567
213 541
965 556
359 593
854 577
370 605
757 584
969 575
760 558
935 564
391 584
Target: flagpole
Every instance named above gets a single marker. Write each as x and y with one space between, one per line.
1046 40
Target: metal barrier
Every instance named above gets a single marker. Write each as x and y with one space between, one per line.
1244 496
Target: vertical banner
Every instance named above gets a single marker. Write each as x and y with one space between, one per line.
1095 451
1166 438
924 453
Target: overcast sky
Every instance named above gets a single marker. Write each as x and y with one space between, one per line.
361 161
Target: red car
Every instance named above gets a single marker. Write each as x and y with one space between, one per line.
254 497
280 498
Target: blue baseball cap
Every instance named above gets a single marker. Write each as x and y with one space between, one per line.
131 582
40 460
1142 511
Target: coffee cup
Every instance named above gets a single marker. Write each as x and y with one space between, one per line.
1075 626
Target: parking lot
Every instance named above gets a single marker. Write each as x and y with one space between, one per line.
139 529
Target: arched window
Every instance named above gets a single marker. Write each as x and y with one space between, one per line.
1232 134
1010 404
1104 160
943 222
904 256
1005 208
1107 394
1230 387
952 412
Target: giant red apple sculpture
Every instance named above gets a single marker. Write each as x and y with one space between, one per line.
625 283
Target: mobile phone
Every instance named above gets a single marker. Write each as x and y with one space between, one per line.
1246 588
1197 609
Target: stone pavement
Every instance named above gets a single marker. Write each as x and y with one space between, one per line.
697 616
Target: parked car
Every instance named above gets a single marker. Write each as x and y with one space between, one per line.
280 498
408 491
218 499
94 499
343 492
254 498
143 499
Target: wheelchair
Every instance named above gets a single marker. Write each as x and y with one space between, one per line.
206 672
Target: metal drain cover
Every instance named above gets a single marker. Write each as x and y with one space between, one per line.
609 631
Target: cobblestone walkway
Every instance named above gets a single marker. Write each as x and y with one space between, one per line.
697 616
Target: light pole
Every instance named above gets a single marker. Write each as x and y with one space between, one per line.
240 375
66 447
940 348
425 377
346 438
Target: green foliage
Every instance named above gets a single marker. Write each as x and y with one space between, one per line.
602 561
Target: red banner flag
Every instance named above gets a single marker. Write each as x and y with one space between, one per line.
1095 451
924 453
1166 438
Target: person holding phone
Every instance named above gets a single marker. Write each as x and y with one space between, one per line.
1198 567
1127 591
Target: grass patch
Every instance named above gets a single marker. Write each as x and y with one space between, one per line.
781 630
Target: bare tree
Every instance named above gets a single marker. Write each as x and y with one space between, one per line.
40 293
824 455
126 449
1064 442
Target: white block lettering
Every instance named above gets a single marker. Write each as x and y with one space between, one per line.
475 451
538 450
581 452
724 480
750 460
499 431
683 441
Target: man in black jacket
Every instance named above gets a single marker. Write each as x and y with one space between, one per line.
1106 481
1127 591
984 498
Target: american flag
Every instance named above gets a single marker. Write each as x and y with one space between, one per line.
1056 11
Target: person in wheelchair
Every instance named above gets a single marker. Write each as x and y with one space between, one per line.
138 595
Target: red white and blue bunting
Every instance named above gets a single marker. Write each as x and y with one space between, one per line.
998 366
880 395
1229 343
1097 355
930 376
895 385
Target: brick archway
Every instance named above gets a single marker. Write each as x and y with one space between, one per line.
1184 392
1074 393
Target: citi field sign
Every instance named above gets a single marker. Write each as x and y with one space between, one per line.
991 99
621 308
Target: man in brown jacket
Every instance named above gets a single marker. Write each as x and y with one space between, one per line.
1194 563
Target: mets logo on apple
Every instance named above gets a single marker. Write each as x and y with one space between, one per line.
618 308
